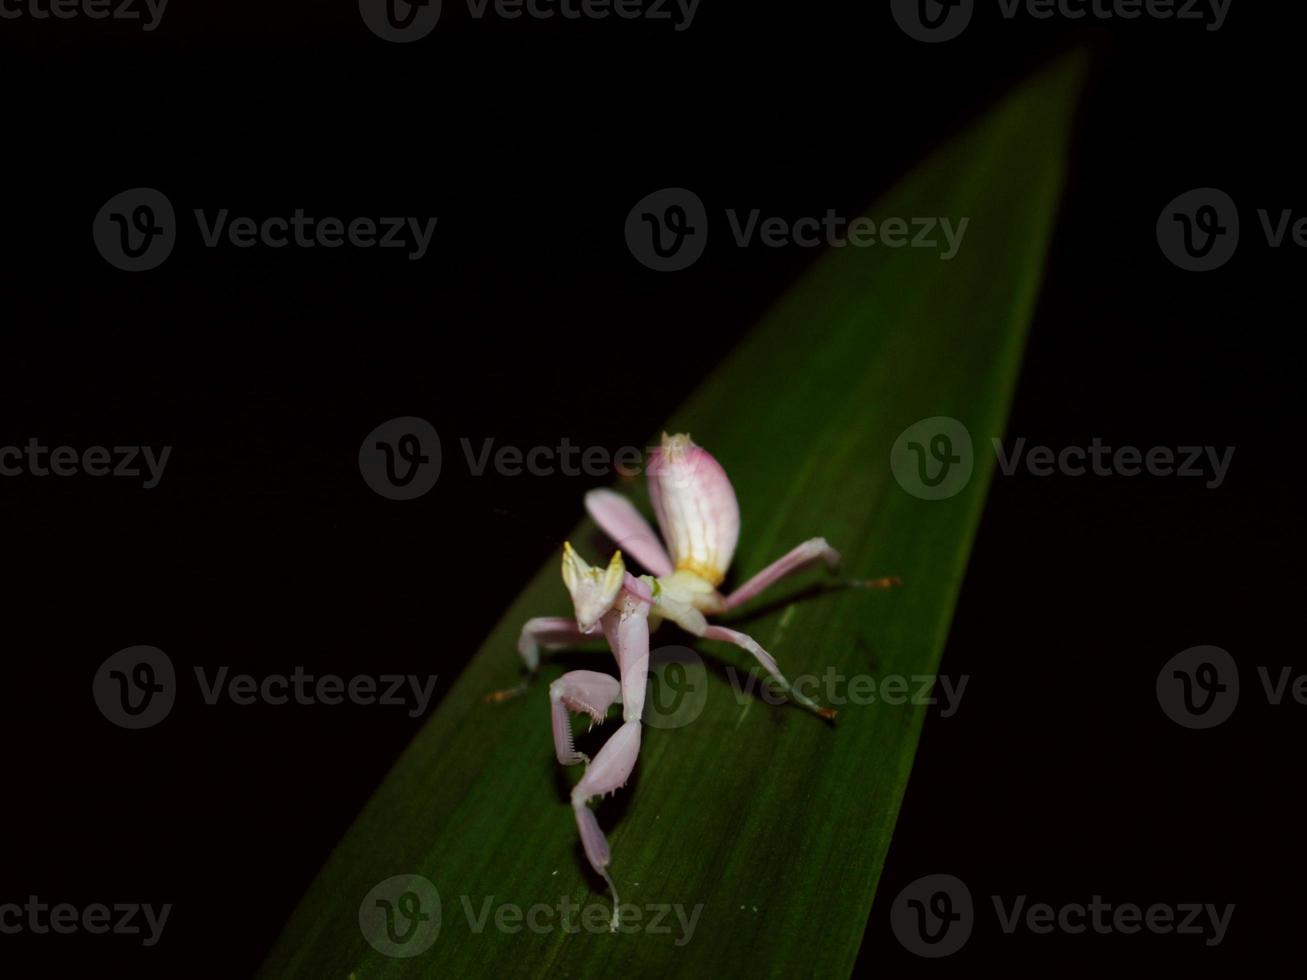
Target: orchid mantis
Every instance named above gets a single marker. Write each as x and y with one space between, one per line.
700 521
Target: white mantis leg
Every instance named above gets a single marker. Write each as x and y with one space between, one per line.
746 642
607 773
692 621
585 692
796 560
627 629
549 632
799 558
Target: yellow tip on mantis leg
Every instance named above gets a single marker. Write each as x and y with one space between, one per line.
612 925
508 693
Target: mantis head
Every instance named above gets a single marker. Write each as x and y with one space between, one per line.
593 589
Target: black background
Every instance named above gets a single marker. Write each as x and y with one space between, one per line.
262 549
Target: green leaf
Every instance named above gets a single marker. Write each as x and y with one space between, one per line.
776 824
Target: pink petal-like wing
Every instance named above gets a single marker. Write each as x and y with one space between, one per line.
620 520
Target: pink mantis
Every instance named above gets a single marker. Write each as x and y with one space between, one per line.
700 521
